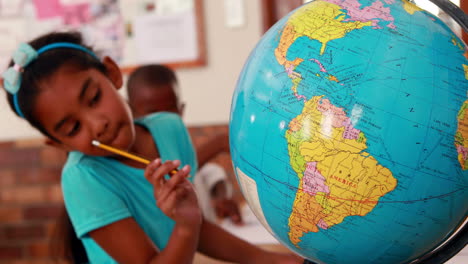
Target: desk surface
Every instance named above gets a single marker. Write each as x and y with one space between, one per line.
202 259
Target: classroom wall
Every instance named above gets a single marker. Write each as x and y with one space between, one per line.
206 90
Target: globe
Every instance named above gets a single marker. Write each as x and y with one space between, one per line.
349 131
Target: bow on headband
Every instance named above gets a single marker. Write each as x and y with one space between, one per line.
21 58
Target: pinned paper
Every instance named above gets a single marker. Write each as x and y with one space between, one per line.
11 8
166 38
168 7
76 15
46 9
234 13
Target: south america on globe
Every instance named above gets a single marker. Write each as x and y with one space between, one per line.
349 131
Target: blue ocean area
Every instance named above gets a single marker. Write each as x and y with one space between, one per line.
393 85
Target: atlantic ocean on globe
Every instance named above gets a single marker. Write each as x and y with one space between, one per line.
349 131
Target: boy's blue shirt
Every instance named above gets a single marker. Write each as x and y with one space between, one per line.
99 191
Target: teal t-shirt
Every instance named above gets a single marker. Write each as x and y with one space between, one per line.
99 191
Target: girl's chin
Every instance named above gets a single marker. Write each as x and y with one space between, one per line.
124 140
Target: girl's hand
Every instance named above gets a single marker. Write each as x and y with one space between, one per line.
174 196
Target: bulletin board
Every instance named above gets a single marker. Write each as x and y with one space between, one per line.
132 32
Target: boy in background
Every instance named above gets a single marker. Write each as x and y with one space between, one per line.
154 88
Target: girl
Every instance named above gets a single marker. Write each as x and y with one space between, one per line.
122 211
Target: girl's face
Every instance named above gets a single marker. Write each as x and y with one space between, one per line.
78 106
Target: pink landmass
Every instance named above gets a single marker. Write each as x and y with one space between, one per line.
369 13
314 181
350 132
337 115
289 70
462 150
300 97
339 118
322 69
322 224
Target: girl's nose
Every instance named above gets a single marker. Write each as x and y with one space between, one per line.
99 126
101 131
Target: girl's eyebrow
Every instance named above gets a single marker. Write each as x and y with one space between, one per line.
84 88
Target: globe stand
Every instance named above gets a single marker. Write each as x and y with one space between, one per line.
442 254
454 11
445 252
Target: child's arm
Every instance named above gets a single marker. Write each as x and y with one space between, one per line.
220 244
126 241
209 149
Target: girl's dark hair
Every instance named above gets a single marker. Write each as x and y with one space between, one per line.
65 244
45 65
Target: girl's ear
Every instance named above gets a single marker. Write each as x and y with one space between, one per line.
113 72
55 144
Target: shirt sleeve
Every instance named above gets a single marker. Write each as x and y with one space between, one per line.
91 199
187 149
174 141
210 175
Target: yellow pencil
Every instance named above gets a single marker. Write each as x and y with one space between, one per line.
125 154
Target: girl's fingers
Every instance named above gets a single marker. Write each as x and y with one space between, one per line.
173 182
151 168
159 172
169 204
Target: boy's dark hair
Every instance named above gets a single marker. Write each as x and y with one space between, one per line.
154 74
44 66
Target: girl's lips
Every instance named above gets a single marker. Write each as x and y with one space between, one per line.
116 136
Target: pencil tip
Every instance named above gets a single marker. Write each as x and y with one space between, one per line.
95 142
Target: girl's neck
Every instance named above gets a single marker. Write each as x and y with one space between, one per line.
143 146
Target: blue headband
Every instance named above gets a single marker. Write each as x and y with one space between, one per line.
24 55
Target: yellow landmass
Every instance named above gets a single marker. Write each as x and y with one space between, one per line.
304 218
295 82
287 38
357 183
332 78
462 112
355 180
461 135
319 20
411 8
465 68
457 43
322 199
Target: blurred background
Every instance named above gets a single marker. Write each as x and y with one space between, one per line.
217 37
